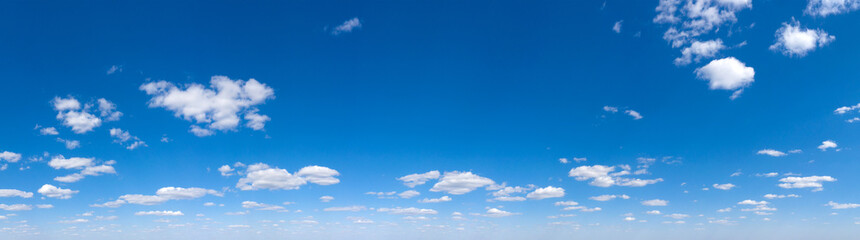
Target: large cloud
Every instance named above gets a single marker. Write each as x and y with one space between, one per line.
15 193
696 17
416 179
82 118
460 183
604 176
824 8
218 107
547 192
262 176
815 182
727 74
792 40
161 195
52 191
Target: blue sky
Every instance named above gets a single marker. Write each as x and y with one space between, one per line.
429 119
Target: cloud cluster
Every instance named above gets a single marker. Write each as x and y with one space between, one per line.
824 8
261 176
815 182
458 183
696 17
122 137
161 195
605 176
87 166
82 118
222 106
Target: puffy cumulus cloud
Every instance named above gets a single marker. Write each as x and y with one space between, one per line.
345 209
70 144
407 211
827 145
698 51
60 162
725 186
436 200
834 205
226 170
727 74
261 206
122 137
49 131
547 192
16 207
823 8
15 193
408 194
846 109
319 175
52 191
87 166
159 213
82 118
772 196
161 195
696 17
655 202
347 26
604 176
458 183
326 198
495 212
261 176
806 182
603 198
416 179
222 106
10 156
504 193
793 40
770 152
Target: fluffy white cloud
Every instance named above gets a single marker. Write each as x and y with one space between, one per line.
824 8
347 26
226 170
607 197
407 211
547 192
436 200
10 156
416 179
54 192
834 205
725 186
16 207
603 176
727 74
107 110
826 145
326 198
495 212
696 17
408 194
87 166
159 213
699 50
79 118
49 131
458 183
806 182
122 137
70 144
845 109
655 202
792 40
770 152
319 175
15 193
218 107
60 162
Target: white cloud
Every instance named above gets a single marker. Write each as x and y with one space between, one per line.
218 107
696 17
604 198
634 114
436 200
834 205
114 69
725 186
261 176
49 131
10 156
655 202
121 137
407 211
563 160
772 196
326 198
70 144
52 191
72 114
610 109
770 152
547 192
698 51
823 8
60 162
347 26
16 207
345 209
792 40
617 26
806 182
458 183
826 145
107 110
601 177
653 212
677 216
727 74
495 212
408 194
319 175
226 170
178 193
261 206
159 213
416 179
15 193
